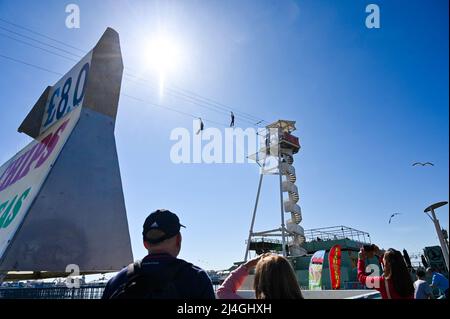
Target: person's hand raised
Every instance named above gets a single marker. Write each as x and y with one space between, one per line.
252 262
362 254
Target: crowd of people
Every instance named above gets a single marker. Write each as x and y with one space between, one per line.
161 275
396 281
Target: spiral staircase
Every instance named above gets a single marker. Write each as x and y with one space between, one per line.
290 205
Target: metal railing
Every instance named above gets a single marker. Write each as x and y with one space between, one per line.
336 233
58 292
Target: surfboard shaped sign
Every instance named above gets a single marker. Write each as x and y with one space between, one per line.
61 197
23 175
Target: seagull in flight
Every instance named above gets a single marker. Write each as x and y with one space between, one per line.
423 164
390 218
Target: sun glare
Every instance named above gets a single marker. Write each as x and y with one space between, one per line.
163 54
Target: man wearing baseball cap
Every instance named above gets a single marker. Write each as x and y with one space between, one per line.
160 275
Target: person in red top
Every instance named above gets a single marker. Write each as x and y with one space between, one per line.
395 283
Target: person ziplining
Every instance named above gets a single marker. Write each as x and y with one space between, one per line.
202 126
232 119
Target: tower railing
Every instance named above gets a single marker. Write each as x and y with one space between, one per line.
337 232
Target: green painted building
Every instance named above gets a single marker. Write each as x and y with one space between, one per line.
348 238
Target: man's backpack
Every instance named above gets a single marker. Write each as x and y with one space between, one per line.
143 284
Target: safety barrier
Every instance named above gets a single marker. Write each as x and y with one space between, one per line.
59 292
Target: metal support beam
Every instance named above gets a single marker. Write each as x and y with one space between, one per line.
250 233
262 233
441 238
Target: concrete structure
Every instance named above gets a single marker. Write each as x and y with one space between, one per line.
73 209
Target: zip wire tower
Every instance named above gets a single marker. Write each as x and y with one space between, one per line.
275 157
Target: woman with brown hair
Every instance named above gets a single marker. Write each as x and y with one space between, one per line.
395 283
274 279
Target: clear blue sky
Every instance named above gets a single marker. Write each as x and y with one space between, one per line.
368 103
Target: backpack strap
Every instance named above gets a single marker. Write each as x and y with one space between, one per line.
134 269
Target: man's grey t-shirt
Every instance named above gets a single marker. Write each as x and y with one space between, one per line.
422 289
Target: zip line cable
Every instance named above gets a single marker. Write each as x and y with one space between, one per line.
177 111
41 42
197 97
177 92
194 99
171 109
41 35
251 123
37 47
191 98
188 99
71 59
220 104
185 91
123 94
30 64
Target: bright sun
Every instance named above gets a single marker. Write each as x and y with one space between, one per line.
163 54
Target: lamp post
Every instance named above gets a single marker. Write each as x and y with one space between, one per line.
435 221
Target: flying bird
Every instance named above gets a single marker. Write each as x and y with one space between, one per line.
390 218
423 164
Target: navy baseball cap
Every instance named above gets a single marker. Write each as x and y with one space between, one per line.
160 225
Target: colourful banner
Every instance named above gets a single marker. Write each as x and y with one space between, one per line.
315 270
23 175
334 262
